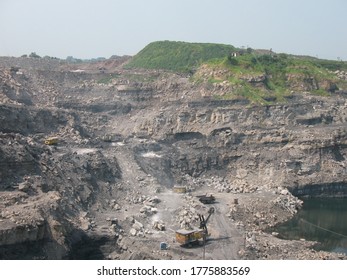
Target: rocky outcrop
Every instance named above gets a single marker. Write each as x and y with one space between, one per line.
12 90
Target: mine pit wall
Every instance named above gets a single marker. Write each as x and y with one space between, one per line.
336 190
136 94
290 145
20 234
202 118
29 242
278 146
114 108
33 242
259 158
42 122
25 120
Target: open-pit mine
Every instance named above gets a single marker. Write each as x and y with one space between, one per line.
100 161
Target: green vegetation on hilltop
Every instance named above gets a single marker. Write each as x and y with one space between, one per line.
261 76
178 56
271 77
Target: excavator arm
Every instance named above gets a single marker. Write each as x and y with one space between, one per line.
203 221
210 212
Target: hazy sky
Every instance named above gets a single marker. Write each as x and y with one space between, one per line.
86 29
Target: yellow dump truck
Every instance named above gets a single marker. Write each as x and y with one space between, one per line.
179 189
51 141
186 237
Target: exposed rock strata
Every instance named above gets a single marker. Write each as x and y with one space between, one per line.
123 145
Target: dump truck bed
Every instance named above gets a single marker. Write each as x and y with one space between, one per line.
188 236
206 199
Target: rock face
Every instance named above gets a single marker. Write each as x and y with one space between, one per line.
254 145
127 138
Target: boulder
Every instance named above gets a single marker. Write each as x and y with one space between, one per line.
138 226
159 225
133 232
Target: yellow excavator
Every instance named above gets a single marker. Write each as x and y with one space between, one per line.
197 235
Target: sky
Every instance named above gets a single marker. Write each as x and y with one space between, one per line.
102 28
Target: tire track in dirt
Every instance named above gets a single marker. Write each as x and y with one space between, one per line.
225 240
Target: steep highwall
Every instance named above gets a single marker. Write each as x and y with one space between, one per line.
297 146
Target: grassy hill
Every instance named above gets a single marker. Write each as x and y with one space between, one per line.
258 75
265 78
178 56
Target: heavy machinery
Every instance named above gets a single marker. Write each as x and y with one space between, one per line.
206 199
51 141
197 235
179 189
